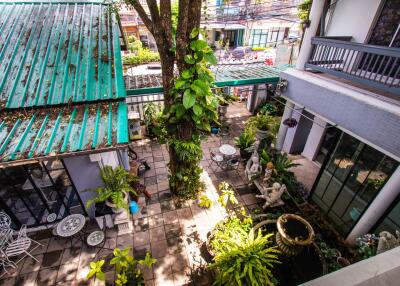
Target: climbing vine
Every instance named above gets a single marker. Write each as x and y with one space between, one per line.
190 116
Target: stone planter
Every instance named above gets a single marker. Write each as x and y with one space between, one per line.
223 109
245 154
261 134
294 232
113 207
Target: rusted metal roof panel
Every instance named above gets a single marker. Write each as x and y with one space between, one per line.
58 52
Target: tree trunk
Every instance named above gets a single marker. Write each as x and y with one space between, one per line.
160 26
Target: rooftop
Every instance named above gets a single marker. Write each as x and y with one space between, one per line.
225 75
58 52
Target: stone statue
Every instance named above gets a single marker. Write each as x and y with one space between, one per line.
267 176
387 241
272 195
253 166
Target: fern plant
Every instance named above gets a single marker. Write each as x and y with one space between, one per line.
117 183
245 259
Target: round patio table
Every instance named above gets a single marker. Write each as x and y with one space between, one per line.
227 150
71 225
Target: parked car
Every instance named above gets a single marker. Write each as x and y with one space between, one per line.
241 52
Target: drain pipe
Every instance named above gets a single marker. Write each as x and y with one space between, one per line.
316 12
377 208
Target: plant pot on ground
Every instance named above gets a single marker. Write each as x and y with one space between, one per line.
245 143
224 100
264 125
117 185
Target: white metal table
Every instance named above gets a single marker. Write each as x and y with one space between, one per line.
227 150
71 225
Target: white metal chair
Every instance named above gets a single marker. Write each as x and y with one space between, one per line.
5 221
21 245
5 238
217 160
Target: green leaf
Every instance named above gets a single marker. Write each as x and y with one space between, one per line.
188 99
198 45
189 59
180 110
179 83
197 109
194 33
210 58
186 74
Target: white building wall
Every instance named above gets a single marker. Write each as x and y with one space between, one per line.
353 18
85 173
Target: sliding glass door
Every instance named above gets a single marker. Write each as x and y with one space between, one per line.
350 179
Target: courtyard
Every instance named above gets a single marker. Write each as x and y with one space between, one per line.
173 232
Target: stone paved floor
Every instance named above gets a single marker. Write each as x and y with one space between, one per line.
173 234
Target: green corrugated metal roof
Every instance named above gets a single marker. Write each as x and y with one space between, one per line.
58 130
58 52
225 75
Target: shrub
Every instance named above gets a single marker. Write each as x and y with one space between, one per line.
143 56
245 141
256 49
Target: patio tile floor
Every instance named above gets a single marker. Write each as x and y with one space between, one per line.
173 233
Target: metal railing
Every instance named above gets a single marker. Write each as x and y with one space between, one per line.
375 66
138 102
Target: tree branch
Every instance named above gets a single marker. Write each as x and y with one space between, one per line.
155 14
142 13
181 33
166 20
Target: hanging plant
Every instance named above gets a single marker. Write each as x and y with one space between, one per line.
290 122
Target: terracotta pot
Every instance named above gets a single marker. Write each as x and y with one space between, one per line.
112 206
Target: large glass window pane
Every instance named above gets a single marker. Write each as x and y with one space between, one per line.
20 196
391 222
351 179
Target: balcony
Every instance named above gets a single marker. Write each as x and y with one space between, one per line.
373 66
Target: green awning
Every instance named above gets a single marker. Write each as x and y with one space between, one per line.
58 52
225 75
62 130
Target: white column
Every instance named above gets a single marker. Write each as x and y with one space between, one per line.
283 128
317 8
386 196
314 139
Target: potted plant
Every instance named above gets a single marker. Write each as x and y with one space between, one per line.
245 143
262 124
126 267
224 100
117 185
150 118
242 256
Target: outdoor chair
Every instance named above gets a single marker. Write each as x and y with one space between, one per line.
97 238
21 246
5 238
5 221
217 160
143 165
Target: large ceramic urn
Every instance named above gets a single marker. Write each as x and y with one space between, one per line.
294 233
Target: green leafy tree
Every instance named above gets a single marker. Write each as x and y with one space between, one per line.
190 105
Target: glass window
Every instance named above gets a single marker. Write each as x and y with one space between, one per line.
31 192
354 174
391 223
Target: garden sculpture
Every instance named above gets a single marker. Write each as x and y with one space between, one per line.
267 176
253 166
272 195
387 241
